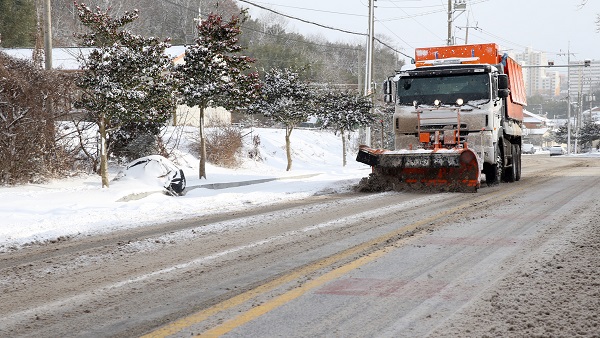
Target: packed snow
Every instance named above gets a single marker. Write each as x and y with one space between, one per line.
79 206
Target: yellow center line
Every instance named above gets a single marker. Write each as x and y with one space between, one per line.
299 291
200 316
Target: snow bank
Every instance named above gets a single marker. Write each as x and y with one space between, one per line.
80 206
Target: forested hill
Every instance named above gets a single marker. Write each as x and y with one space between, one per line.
268 39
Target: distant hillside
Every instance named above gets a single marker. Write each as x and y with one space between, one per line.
268 42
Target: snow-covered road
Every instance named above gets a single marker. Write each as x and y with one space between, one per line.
519 257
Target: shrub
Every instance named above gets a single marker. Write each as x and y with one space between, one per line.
223 146
130 148
31 99
254 152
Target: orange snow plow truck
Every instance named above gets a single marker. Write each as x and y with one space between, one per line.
458 114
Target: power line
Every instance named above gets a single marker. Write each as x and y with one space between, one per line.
193 10
396 35
415 20
392 48
409 7
412 16
303 42
305 21
324 26
441 9
517 45
512 43
302 20
312 9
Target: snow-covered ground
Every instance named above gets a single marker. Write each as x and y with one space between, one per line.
79 206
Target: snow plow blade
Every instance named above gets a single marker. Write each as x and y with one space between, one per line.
454 170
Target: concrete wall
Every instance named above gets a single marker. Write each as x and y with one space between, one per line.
190 116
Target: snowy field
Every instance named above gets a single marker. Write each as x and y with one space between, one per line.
80 206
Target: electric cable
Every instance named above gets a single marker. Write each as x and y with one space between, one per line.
324 26
302 20
193 10
420 24
312 9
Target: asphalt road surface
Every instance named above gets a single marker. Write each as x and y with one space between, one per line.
518 259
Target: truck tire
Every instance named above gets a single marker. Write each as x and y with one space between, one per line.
510 175
493 172
518 177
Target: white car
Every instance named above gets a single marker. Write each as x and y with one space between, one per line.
528 148
557 150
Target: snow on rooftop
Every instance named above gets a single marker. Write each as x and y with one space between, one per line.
66 58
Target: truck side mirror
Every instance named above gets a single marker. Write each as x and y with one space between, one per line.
502 81
503 90
387 91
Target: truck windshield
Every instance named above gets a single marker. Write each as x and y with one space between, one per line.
447 89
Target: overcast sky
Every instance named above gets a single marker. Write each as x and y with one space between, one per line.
551 26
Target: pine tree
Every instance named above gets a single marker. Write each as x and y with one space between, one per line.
589 133
286 99
125 79
214 75
344 111
561 134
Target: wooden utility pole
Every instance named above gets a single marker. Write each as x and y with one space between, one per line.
47 34
460 6
369 63
449 40
569 100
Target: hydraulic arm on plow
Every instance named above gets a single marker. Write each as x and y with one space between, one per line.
457 115
441 159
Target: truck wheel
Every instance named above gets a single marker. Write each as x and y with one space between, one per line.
510 175
518 147
493 172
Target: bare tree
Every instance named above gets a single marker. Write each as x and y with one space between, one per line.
174 18
30 101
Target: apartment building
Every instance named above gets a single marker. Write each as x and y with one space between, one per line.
584 80
538 80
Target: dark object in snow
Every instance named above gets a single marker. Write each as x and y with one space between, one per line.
156 168
178 183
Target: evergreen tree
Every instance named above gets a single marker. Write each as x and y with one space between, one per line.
589 133
286 99
125 80
344 111
213 73
17 23
561 135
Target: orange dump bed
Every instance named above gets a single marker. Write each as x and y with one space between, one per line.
518 96
487 53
